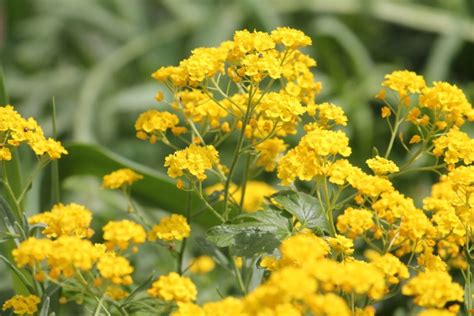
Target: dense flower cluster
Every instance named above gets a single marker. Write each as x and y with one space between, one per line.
337 241
22 305
173 227
173 287
65 220
120 178
15 130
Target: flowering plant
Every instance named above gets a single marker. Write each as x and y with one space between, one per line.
332 239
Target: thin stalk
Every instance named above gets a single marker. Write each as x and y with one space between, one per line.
183 243
394 132
236 157
243 185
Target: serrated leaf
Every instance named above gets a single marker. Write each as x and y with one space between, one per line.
253 242
245 239
272 217
304 207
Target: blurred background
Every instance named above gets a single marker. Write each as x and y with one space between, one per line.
96 57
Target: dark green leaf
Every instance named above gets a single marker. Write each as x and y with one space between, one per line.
271 217
44 311
245 239
304 207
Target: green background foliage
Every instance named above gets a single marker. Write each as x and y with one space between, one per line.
95 58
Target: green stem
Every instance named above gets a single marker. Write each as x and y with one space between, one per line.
238 277
394 132
183 243
243 185
236 157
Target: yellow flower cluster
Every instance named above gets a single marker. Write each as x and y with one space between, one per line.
15 130
116 268
153 124
404 82
22 305
433 289
120 178
173 287
65 220
355 222
455 146
269 152
311 157
328 114
382 166
194 160
173 227
202 265
122 233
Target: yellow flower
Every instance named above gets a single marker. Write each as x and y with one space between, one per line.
455 146
269 263
173 287
115 268
415 139
433 289
436 312
65 220
269 152
19 130
71 253
202 265
121 233
188 309
448 101
355 222
328 305
173 227
120 178
229 306
341 244
116 293
193 159
328 112
404 82
290 37
32 251
152 124
382 166
255 194
390 265
22 305
303 249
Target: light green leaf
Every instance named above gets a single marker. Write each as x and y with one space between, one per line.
304 207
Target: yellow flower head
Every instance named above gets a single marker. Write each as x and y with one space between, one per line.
302 249
69 253
152 124
382 166
122 233
173 287
115 268
65 220
433 289
255 194
455 146
202 265
355 222
291 38
404 82
173 227
194 160
32 251
269 152
120 178
449 101
22 305
390 265
19 130
341 244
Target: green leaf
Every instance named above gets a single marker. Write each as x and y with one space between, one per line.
272 217
155 188
3 89
304 207
44 311
245 239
